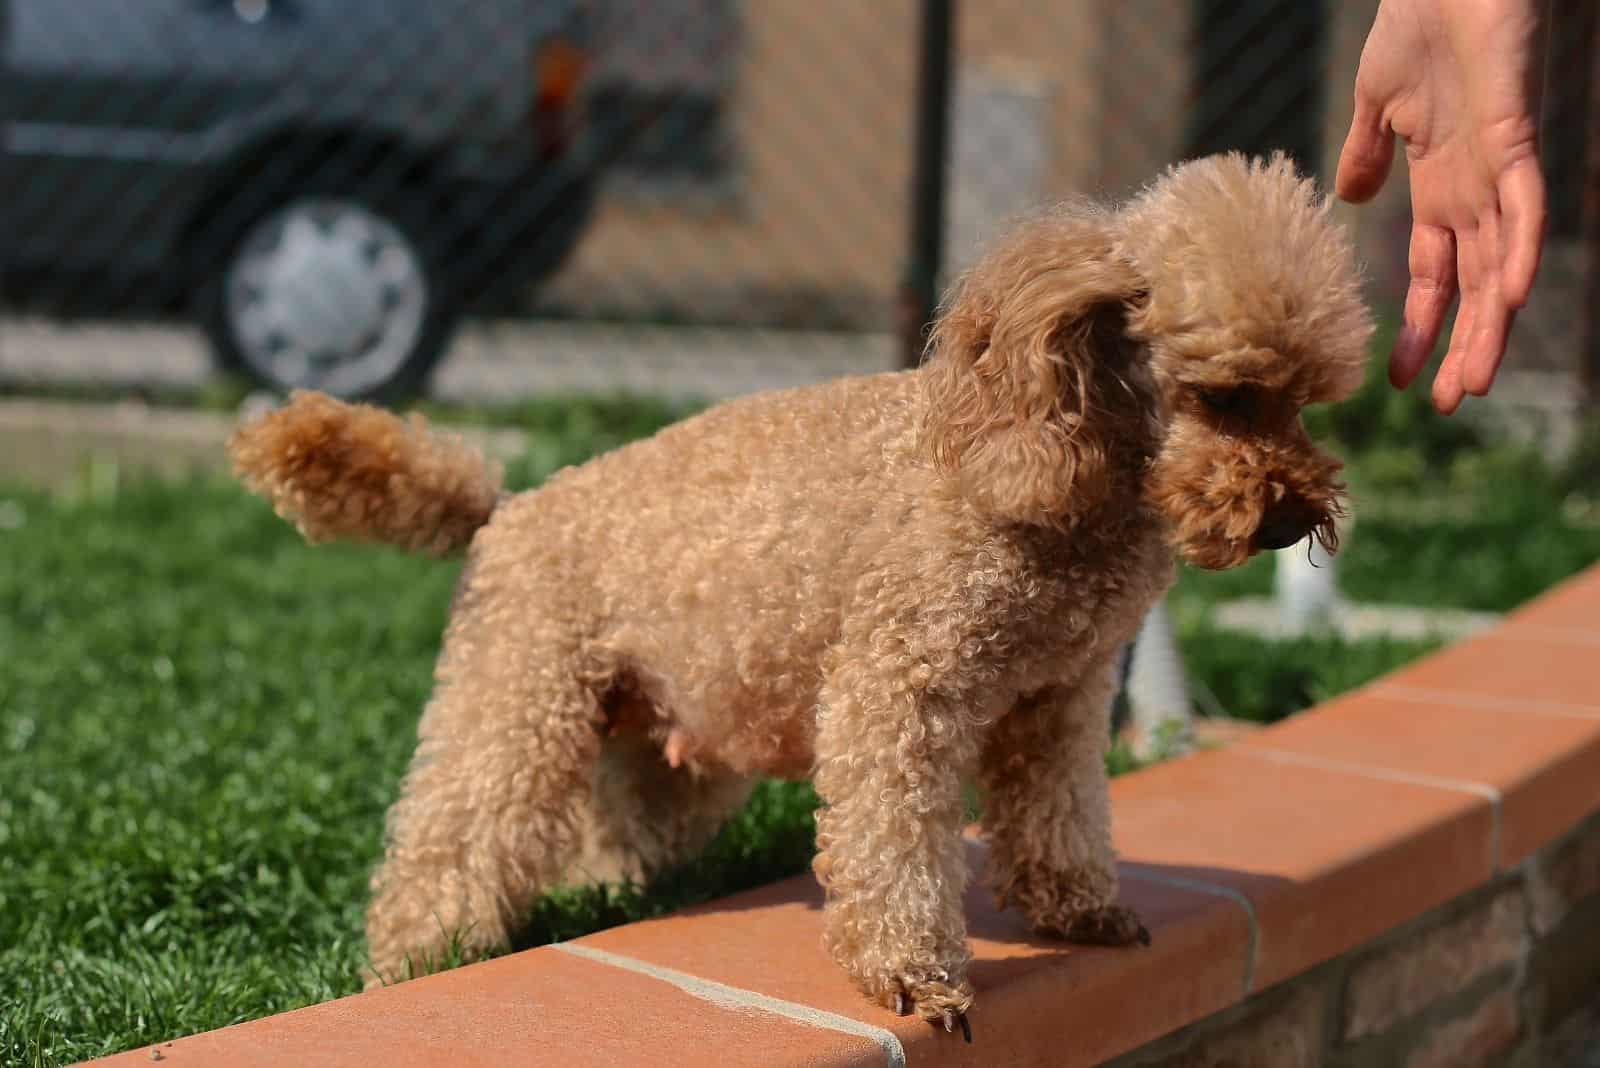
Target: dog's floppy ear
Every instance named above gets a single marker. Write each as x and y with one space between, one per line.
1018 388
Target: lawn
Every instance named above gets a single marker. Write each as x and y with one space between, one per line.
202 721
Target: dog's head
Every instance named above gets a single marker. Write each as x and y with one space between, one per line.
1164 350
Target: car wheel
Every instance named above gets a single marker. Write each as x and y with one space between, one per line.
330 293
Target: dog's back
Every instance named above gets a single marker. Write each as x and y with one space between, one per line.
715 559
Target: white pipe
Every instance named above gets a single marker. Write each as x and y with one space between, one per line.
1158 689
1306 587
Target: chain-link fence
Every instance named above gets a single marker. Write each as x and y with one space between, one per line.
682 196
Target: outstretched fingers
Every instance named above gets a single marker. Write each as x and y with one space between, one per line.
1509 260
1428 300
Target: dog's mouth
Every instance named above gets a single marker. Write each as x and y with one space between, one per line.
1223 554
1220 538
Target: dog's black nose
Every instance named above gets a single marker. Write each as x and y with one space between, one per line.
1281 529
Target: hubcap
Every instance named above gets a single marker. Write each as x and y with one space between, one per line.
326 294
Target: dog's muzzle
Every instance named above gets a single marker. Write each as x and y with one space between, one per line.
1284 524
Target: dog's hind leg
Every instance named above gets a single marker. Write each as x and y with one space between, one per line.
1047 813
642 815
489 811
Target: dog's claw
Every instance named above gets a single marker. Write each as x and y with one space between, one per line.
1144 935
953 1018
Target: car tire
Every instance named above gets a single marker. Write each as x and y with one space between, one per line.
332 291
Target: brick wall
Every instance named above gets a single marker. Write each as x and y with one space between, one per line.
1483 980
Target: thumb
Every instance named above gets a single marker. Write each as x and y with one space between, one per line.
1367 154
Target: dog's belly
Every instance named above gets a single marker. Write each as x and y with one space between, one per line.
767 741
714 692
731 656
716 729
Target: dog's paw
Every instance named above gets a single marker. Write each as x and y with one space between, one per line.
1112 925
941 1004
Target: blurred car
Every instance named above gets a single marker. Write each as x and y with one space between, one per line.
325 185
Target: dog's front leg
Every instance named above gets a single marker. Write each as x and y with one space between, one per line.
889 760
1047 813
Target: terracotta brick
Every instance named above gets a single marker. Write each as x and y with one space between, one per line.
1571 605
1482 1037
1542 768
536 1009
1284 1031
1400 980
1566 874
1099 1002
1327 859
1520 674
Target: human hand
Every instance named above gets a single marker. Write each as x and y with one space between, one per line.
1460 81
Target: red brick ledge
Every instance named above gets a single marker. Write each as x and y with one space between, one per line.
1252 865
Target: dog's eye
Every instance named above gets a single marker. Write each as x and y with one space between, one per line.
1226 401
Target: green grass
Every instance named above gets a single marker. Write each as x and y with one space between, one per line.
201 724
1246 678
1490 562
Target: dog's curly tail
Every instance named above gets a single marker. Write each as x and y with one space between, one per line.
356 472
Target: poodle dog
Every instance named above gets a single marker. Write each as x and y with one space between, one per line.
890 584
